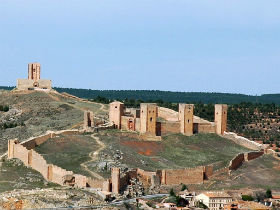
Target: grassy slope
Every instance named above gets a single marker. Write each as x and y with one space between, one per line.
68 152
261 173
42 112
175 151
14 175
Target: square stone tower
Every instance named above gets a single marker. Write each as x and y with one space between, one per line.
88 120
221 118
186 118
116 180
115 113
34 71
148 118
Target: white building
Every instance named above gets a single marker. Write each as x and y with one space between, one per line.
214 200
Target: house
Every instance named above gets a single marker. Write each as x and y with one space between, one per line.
245 205
214 200
189 196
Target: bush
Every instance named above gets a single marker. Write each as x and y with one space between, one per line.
172 193
184 187
268 193
247 198
6 108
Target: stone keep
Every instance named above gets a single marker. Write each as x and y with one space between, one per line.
115 113
148 118
186 118
88 119
221 118
116 180
34 71
34 80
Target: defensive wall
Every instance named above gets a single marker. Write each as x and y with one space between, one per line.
26 153
239 159
243 141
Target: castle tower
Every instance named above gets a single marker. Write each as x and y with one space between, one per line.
116 180
148 118
115 113
221 118
11 144
88 119
34 71
186 118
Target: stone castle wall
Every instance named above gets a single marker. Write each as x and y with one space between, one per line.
185 176
168 114
25 84
31 158
253 155
38 163
205 128
236 162
168 127
146 175
243 141
95 183
20 152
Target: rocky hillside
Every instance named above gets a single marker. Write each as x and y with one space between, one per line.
33 113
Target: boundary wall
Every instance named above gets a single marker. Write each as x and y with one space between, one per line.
243 141
26 153
239 159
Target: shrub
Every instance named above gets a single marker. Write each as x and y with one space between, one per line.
184 187
268 193
247 198
172 193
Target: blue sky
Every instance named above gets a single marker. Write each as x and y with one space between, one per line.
177 45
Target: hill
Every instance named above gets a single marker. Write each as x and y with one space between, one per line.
33 113
168 96
175 97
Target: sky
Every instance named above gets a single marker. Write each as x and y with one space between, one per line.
228 46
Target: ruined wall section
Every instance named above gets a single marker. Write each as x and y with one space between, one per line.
236 162
38 163
168 114
243 141
185 176
20 152
168 127
95 183
56 174
253 155
204 128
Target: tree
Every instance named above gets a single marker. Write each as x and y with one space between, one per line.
172 193
184 187
268 193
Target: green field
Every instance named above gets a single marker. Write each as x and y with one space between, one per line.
68 152
174 151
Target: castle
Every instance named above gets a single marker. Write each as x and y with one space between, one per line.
152 121
34 81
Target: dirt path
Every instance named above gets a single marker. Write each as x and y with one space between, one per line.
94 157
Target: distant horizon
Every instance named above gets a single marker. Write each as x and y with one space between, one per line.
13 86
